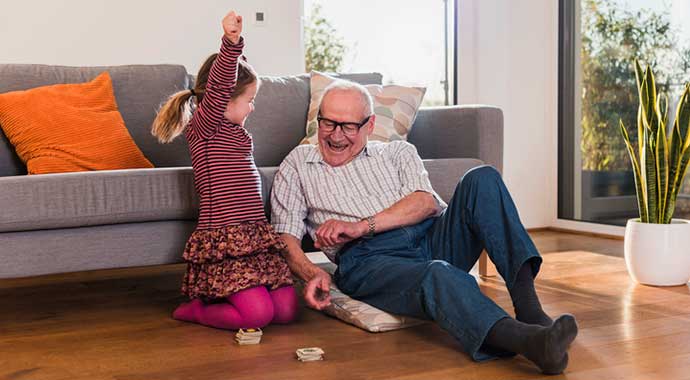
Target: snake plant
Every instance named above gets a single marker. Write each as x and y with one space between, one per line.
661 161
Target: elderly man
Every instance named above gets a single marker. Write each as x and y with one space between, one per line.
371 208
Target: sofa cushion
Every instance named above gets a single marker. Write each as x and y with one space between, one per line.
139 91
81 199
267 174
95 198
33 253
278 123
140 195
10 164
445 174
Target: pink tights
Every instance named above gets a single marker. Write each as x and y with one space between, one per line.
249 308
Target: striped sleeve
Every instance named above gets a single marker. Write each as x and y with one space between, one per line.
413 174
221 83
288 205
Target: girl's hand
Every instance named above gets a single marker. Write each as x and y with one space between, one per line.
232 26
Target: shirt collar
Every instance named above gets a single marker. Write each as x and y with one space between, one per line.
314 155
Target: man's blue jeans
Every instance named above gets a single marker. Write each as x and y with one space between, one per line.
422 270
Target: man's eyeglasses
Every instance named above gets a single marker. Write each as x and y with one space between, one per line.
348 128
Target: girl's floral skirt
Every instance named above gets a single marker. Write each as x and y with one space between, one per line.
225 260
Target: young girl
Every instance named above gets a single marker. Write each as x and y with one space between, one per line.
236 274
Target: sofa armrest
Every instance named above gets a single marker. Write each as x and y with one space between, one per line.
467 131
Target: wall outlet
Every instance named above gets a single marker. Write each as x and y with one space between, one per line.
259 18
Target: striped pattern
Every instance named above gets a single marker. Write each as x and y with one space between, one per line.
225 175
307 191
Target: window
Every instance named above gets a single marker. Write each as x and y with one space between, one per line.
410 42
599 39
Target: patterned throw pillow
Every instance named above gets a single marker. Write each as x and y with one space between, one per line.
395 108
361 314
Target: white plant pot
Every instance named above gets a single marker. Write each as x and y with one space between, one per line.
658 254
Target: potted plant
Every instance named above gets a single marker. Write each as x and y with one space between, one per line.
657 247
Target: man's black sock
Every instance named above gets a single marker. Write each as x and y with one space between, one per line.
525 301
547 347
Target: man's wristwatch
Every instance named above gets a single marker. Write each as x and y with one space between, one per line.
372 226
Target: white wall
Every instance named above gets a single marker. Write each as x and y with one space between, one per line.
508 57
108 32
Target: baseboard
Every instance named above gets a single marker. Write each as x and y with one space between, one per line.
574 232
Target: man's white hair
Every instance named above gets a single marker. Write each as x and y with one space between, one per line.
346 85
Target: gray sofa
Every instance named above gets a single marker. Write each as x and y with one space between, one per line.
68 222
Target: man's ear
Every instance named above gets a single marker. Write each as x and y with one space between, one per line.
371 123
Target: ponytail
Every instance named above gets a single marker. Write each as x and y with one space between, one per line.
173 116
176 112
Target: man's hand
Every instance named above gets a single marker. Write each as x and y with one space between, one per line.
317 291
333 232
232 26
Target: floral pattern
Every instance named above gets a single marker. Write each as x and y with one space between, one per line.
223 261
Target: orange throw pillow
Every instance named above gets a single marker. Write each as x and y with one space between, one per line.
69 128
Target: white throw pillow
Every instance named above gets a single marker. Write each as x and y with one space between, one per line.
395 108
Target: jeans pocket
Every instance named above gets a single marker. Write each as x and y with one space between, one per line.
416 232
343 276
410 237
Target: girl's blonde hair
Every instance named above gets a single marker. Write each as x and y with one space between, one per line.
176 112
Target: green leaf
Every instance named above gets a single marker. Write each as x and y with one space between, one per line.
640 132
661 156
639 186
650 169
639 76
683 117
676 145
647 97
662 110
685 159
651 107
673 170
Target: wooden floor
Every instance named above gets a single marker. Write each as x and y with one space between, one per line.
116 325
